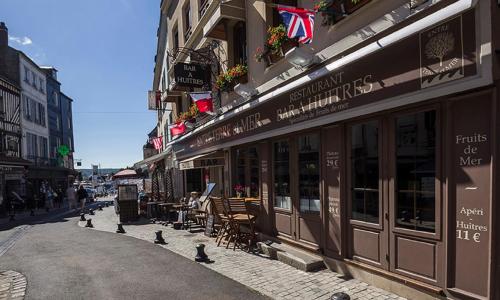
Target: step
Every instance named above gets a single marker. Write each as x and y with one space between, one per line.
292 256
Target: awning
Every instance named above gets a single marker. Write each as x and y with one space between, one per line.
212 159
143 164
227 10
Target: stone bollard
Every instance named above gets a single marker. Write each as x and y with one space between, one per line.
91 212
120 228
340 296
89 223
201 256
99 207
159 238
82 217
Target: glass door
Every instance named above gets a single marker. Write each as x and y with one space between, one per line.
308 221
367 227
281 189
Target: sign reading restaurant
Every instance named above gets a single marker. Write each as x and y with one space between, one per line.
436 55
190 75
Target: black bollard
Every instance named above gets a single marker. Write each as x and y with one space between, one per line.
89 223
340 296
82 217
120 228
91 212
32 213
159 238
201 256
106 203
153 221
99 207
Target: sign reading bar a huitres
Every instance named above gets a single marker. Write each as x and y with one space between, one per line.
438 54
190 75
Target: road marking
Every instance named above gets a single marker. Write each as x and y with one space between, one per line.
10 241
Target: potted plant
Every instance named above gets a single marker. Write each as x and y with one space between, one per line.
227 80
277 44
188 116
334 10
239 189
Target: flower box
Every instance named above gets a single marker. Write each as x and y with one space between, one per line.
274 57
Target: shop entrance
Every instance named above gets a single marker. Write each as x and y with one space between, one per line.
296 188
393 194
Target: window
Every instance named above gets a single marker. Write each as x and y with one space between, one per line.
175 43
248 172
55 98
32 145
272 16
44 150
26 74
365 172
416 171
187 21
281 171
69 122
309 173
42 86
2 108
204 4
240 43
34 82
58 123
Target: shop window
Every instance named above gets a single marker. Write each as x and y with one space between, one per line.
240 44
365 172
247 170
281 171
416 171
309 173
194 180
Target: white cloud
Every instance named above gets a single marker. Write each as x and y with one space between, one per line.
21 40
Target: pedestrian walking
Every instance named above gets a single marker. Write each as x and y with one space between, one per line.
71 195
82 197
49 195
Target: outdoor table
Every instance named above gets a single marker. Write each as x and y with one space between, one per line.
164 210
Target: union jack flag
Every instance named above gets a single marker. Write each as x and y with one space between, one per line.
299 22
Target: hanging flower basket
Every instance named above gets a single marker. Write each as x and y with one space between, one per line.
226 81
277 44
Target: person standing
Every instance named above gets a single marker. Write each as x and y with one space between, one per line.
50 198
71 195
82 197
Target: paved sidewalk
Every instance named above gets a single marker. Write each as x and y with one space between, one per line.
12 285
269 277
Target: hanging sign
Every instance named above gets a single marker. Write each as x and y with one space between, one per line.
190 75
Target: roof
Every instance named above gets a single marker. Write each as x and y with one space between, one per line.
125 174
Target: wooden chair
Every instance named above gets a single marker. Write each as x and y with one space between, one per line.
241 222
201 214
220 213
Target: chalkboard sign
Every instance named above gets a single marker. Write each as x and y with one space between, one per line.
209 229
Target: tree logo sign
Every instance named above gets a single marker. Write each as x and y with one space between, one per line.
441 53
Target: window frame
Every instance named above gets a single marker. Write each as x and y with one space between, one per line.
273 178
436 235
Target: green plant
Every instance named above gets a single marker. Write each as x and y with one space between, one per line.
225 79
276 36
188 115
331 14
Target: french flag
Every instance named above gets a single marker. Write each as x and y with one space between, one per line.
178 128
203 101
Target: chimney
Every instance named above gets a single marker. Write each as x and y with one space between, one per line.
4 35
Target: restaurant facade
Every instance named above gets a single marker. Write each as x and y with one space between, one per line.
382 159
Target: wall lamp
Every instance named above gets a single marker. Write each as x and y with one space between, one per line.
301 58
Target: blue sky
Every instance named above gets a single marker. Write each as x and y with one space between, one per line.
104 51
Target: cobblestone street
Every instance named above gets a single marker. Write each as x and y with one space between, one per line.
269 277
